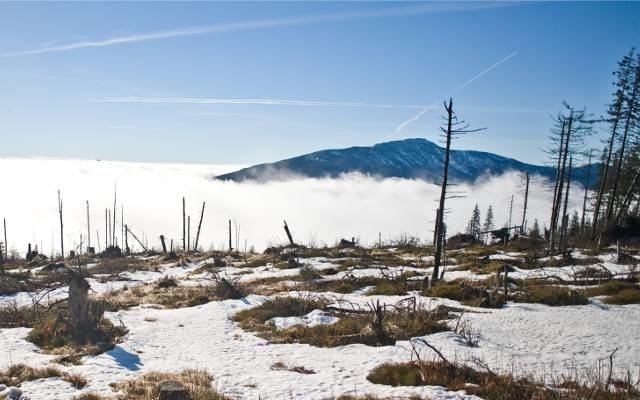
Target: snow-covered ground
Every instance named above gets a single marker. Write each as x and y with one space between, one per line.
528 338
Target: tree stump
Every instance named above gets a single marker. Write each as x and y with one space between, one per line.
172 390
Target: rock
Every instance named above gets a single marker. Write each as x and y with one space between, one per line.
2 387
11 393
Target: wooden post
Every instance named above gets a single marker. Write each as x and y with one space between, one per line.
184 235
61 226
199 226
288 232
164 246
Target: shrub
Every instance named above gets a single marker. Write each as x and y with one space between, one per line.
471 293
550 295
197 382
19 373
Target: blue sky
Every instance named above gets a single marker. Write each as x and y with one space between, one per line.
250 82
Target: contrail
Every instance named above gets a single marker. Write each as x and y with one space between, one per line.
259 24
307 103
470 81
416 117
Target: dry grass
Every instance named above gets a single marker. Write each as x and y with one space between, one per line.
550 295
166 295
493 386
353 325
19 373
197 382
471 293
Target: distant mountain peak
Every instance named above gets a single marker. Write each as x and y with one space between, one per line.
414 158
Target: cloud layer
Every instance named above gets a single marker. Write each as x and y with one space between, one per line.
320 211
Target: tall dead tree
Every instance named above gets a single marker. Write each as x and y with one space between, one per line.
113 231
452 128
586 194
572 126
61 226
630 111
106 229
526 198
565 217
6 244
184 233
615 112
230 242
88 227
199 226
189 233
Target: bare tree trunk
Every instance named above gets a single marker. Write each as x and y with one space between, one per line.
554 206
565 153
565 218
605 172
61 226
164 246
6 244
188 233
628 123
443 193
88 227
113 230
230 242
136 238
199 226
106 229
286 229
526 198
184 239
586 193
627 197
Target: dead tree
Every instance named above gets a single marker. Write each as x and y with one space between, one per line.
453 128
630 120
565 217
189 233
164 246
230 242
184 233
526 198
126 228
627 197
106 229
586 193
6 244
615 111
199 227
61 226
88 228
288 232
113 230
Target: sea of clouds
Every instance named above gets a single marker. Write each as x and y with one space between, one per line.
318 211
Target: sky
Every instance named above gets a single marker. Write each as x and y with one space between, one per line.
250 82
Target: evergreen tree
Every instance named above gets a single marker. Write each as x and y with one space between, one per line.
488 221
574 225
534 233
473 227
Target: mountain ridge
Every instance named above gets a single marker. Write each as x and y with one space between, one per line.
415 158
